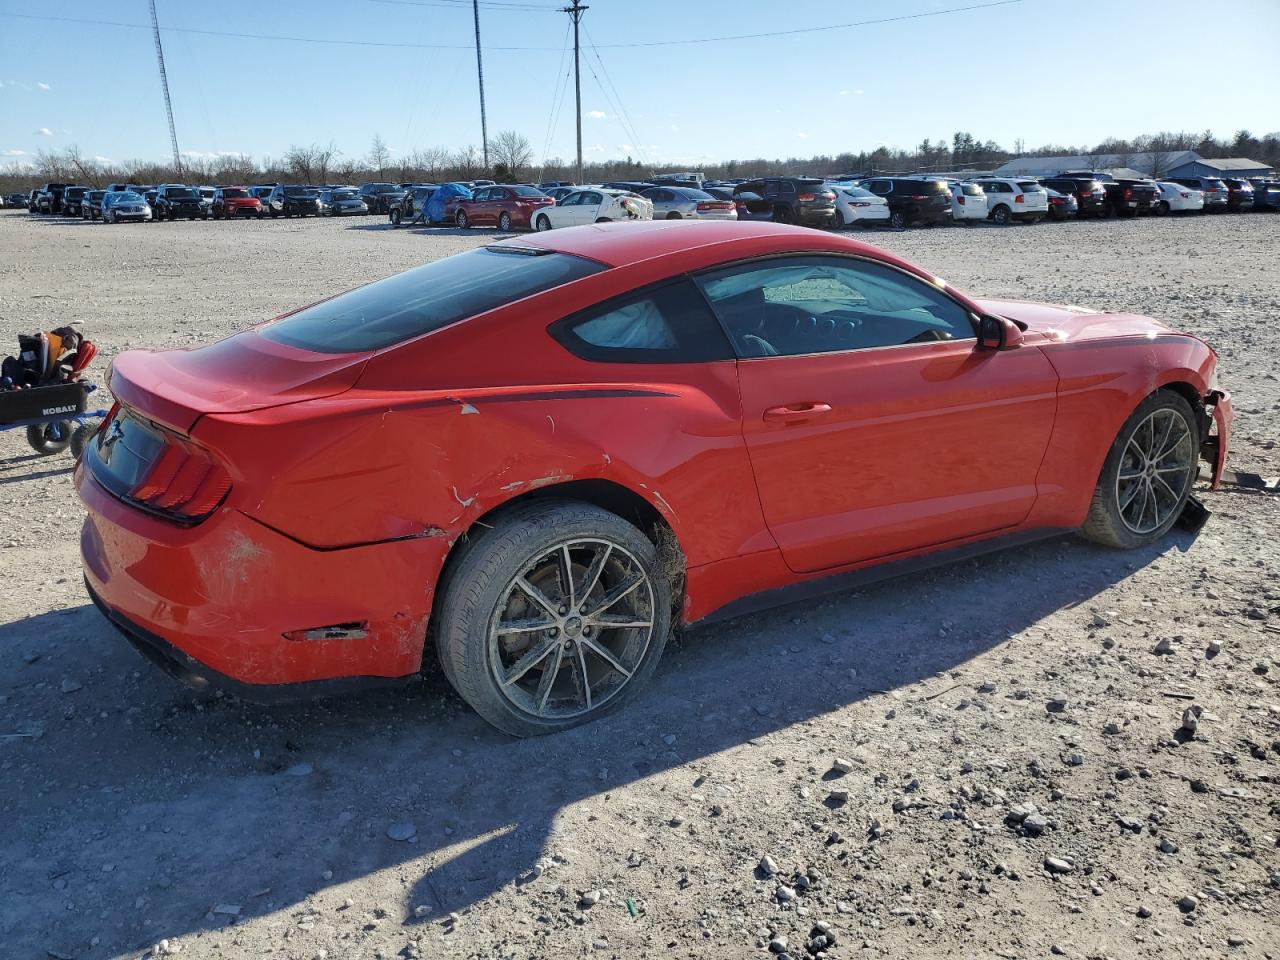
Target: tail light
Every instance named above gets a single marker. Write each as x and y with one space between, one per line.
184 481
960 199
806 197
861 203
1185 196
1128 193
1018 199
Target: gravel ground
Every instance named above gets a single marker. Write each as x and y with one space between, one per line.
987 761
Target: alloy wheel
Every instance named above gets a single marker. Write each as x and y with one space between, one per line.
571 629
1155 471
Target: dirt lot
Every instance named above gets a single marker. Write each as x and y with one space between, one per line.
1015 787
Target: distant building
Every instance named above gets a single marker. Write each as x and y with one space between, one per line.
1221 167
1175 163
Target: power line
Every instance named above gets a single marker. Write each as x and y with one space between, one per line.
561 82
623 115
456 4
452 46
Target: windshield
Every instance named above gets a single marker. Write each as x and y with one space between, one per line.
383 188
1030 186
184 193
297 192
425 299
234 194
344 194
129 197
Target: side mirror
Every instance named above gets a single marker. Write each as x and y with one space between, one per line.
998 333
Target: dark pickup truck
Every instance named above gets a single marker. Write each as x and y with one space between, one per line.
1129 198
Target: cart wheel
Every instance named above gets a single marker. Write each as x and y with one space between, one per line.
49 438
80 438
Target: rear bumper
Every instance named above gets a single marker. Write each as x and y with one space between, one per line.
218 597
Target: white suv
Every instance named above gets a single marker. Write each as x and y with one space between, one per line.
968 203
1009 200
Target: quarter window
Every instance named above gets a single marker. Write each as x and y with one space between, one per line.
806 305
666 324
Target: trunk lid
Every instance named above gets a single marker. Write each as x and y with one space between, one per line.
240 374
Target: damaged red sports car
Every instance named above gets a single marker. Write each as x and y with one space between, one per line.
536 457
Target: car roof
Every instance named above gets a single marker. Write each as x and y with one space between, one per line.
622 244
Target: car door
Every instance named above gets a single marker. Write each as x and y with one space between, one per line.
587 209
874 424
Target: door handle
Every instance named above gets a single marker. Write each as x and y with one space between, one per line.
797 412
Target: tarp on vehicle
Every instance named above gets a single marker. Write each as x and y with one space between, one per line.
447 191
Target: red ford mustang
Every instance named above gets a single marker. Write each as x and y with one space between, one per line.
537 456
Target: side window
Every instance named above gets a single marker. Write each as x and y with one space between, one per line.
666 324
794 306
591 199
786 186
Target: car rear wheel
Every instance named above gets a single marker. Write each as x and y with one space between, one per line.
1162 208
840 222
556 615
462 220
542 223
673 215
898 220
1001 215
782 214
504 222
1147 475
395 216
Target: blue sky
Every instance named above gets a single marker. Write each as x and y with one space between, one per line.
1033 70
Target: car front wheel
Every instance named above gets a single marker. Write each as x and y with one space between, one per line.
504 222
1147 476
552 617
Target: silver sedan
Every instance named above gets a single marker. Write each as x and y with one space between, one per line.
687 203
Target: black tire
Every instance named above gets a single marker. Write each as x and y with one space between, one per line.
839 223
49 438
504 222
782 214
1162 208
477 585
1002 216
395 216
898 220
80 438
461 220
674 216
543 222
1107 522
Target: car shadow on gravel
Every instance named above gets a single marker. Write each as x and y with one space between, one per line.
422 230
122 789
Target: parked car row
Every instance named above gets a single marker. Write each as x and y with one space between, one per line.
894 201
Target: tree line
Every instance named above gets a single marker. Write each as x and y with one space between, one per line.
511 159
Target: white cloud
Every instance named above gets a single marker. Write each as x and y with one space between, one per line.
594 148
98 159
15 153
597 114
803 136
844 93
44 132
858 92
42 85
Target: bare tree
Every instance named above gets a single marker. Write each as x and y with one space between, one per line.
466 162
324 158
379 156
511 150
301 162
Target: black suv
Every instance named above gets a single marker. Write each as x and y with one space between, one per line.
292 201
1130 198
49 199
1239 194
174 200
1090 193
72 199
803 200
911 200
1214 190
378 197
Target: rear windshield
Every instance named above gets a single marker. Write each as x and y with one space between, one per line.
689 193
932 186
526 192
968 189
1030 186
425 299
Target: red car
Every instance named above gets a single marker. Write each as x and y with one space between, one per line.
229 202
503 207
538 455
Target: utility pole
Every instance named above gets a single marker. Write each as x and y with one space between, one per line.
576 12
164 83
484 126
